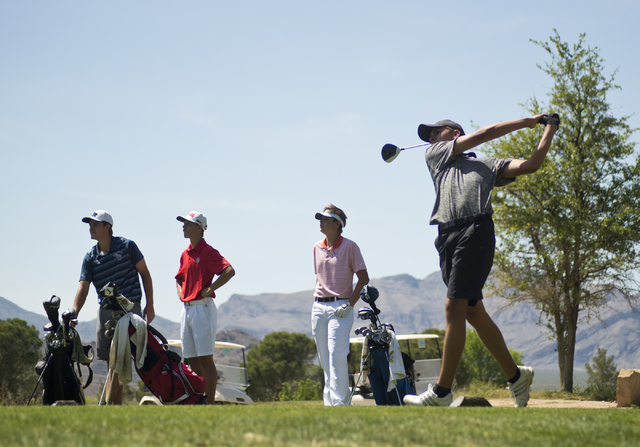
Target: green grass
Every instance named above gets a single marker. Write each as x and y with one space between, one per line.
293 424
491 391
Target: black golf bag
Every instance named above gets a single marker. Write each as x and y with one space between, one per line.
60 371
377 354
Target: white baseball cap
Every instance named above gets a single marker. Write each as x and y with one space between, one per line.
99 216
195 217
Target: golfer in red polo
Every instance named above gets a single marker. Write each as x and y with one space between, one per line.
199 264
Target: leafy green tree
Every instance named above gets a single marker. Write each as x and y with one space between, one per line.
305 390
568 234
602 377
280 358
477 363
19 352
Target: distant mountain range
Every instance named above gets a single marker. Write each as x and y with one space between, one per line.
411 305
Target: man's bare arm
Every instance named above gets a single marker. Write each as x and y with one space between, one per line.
81 296
466 142
533 163
224 277
147 283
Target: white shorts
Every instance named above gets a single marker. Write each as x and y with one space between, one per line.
198 329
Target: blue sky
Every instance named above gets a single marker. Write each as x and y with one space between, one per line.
257 114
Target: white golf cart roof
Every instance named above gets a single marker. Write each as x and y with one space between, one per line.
219 344
400 337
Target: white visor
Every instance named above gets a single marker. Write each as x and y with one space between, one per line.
328 214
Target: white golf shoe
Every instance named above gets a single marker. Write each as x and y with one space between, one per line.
520 389
428 399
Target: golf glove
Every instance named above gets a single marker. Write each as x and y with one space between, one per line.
342 311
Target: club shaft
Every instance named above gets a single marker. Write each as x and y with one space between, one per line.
411 147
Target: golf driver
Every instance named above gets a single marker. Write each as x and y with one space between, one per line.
391 151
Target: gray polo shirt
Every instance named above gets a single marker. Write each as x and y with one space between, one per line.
463 184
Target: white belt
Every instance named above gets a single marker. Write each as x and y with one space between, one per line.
197 302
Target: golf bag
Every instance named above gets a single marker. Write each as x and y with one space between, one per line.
60 371
170 380
381 354
163 372
379 376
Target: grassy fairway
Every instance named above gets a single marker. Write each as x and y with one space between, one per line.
292 425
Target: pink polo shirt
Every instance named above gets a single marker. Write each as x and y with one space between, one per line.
335 267
198 266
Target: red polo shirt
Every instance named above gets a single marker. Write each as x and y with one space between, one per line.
198 266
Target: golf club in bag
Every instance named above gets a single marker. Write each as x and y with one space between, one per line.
163 372
381 354
64 352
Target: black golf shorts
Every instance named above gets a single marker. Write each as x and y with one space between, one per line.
466 257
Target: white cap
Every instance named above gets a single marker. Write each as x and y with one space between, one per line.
328 214
99 216
194 217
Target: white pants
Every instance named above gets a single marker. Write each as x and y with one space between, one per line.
332 342
198 329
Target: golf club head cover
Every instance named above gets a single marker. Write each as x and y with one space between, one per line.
550 119
67 316
108 296
343 310
369 294
51 307
124 303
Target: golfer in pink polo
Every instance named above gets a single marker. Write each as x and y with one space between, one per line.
337 259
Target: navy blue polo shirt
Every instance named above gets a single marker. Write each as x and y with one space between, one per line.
118 265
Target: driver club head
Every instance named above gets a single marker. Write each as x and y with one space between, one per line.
390 151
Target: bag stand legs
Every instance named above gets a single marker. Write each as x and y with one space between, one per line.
106 383
39 379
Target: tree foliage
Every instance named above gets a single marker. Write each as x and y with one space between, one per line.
602 380
281 357
477 363
568 234
19 352
305 389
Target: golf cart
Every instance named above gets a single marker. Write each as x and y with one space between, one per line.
232 380
425 371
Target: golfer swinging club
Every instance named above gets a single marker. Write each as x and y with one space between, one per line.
466 241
